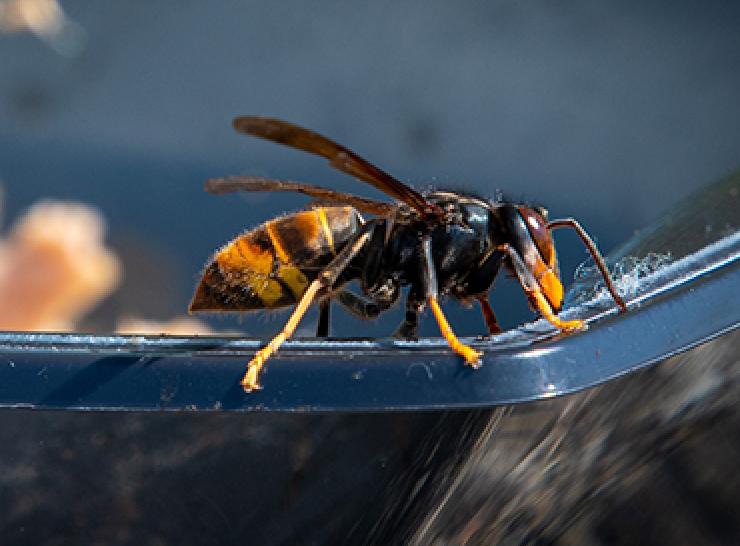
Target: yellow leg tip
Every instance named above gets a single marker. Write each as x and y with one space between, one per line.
249 386
471 356
571 325
250 381
541 304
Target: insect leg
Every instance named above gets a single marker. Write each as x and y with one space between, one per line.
488 315
407 329
359 306
471 356
534 293
325 280
322 327
595 254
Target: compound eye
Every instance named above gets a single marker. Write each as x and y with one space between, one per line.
537 227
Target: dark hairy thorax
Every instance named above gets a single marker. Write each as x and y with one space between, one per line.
463 249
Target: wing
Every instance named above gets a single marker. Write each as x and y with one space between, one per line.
256 183
339 157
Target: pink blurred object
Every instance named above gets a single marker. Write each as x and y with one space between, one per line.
54 267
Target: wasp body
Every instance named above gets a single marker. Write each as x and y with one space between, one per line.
439 243
272 265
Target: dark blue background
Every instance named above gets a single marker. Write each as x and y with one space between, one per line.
607 111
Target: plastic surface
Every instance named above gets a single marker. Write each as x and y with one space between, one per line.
683 304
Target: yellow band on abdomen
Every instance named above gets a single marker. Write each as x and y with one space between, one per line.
321 212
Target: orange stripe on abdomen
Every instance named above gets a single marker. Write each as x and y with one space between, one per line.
272 265
297 238
243 254
248 263
310 238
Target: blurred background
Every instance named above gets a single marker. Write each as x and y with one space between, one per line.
112 116
610 112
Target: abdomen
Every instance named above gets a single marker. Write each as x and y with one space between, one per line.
271 265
